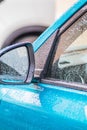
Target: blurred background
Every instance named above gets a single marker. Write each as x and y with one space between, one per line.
32 11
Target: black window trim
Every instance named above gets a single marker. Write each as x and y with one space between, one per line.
54 81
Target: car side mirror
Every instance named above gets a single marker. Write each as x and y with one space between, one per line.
17 64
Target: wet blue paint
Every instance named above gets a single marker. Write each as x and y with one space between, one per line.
42 107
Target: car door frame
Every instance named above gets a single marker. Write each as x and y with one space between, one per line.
72 20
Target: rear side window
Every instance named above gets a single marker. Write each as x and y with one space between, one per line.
69 62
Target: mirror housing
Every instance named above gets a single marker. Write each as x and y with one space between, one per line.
17 64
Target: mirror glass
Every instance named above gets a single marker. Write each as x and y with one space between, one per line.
14 65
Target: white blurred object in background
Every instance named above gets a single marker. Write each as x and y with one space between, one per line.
62 6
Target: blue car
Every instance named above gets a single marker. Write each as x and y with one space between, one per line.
57 99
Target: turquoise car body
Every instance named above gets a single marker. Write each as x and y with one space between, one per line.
41 106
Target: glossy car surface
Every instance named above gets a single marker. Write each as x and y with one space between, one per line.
46 104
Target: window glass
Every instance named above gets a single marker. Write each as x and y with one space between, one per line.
69 63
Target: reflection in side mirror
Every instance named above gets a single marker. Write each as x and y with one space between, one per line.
14 65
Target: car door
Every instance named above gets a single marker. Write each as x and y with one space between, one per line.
65 78
55 100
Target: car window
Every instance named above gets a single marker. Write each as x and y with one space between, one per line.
69 62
